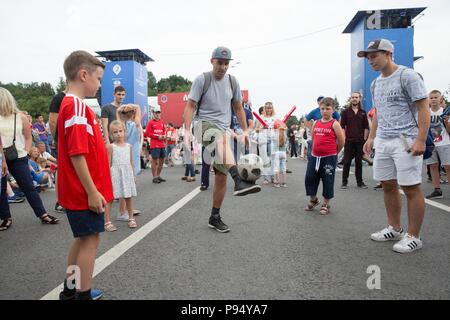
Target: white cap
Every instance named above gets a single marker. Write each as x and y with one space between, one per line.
377 45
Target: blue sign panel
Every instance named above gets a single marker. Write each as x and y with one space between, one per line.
362 73
130 75
140 90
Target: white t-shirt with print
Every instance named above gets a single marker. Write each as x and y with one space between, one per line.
437 128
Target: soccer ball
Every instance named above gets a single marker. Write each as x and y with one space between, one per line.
250 167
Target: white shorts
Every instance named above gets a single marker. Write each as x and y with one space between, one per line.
443 152
392 162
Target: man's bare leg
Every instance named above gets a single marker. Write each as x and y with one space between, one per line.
416 209
392 203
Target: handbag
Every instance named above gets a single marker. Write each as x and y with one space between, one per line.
11 152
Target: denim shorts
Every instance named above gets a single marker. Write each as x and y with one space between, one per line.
158 153
85 222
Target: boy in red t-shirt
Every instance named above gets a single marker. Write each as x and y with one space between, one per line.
84 180
156 131
327 141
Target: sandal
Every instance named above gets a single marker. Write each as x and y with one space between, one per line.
48 219
312 204
190 179
132 223
184 178
325 209
6 224
110 227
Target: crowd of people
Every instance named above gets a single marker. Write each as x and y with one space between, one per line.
103 155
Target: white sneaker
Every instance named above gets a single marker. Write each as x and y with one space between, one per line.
407 244
122 217
387 234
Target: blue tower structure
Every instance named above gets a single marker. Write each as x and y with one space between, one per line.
395 25
126 68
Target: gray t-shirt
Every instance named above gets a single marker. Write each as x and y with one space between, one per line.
393 107
109 111
216 102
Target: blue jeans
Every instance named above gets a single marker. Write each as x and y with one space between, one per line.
20 171
325 172
189 171
169 149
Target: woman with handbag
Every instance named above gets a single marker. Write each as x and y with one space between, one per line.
15 134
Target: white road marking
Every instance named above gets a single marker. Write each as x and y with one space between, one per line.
114 253
433 203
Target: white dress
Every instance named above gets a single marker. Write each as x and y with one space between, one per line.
122 172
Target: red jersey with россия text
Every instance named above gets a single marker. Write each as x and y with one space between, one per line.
324 139
79 134
153 130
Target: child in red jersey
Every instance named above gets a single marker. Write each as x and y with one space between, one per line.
328 140
156 131
84 179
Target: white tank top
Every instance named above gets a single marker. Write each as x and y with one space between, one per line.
7 133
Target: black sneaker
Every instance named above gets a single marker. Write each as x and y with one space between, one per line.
378 187
436 194
203 188
161 179
344 186
243 188
288 171
59 208
156 180
362 185
95 295
217 223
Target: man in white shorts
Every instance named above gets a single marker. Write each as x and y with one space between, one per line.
400 96
439 126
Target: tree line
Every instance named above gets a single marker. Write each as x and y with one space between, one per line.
35 97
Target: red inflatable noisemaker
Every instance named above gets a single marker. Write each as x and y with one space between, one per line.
286 117
260 120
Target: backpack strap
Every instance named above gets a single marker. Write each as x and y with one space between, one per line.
406 94
233 84
206 85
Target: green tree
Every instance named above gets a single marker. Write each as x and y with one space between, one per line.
61 85
32 97
173 83
152 84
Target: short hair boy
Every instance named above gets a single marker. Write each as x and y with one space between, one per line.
84 179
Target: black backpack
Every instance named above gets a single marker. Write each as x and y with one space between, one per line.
207 84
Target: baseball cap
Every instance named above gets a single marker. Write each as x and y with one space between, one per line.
157 108
221 53
377 45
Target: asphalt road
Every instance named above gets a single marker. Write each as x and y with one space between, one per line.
275 249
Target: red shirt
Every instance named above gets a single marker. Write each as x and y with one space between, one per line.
79 134
153 130
324 139
171 133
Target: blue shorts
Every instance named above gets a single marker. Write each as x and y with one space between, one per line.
85 222
157 153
